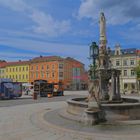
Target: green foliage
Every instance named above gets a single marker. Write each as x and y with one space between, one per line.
137 69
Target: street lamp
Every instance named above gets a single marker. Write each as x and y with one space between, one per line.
94 52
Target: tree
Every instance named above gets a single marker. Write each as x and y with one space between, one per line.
137 69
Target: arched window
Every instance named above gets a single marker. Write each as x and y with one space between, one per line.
117 52
125 86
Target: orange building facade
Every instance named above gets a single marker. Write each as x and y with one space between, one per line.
55 69
46 68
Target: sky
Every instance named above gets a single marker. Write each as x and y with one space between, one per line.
30 28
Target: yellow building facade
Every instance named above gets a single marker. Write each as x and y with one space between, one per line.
2 72
18 71
2 68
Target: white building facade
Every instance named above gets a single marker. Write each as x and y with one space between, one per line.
126 61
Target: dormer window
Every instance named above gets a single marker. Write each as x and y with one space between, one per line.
117 49
117 52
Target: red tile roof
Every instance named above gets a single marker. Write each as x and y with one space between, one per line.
46 58
15 63
73 60
2 64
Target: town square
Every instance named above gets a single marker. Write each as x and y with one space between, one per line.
69 70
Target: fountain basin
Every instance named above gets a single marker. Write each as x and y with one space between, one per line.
129 109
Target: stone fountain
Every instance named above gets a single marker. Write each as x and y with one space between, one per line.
104 103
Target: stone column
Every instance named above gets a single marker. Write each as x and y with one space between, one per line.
100 84
113 83
118 85
106 95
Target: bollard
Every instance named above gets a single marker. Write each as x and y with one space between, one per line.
35 96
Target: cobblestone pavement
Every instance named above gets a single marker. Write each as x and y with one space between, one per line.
26 122
26 99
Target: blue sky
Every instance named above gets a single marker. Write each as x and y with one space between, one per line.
29 28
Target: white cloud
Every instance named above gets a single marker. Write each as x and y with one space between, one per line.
116 11
44 23
47 24
16 5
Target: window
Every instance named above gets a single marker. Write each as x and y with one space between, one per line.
125 62
36 74
47 67
36 67
117 63
16 77
19 68
26 76
61 74
53 66
53 75
117 52
23 68
22 76
60 66
16 69
19 76
47 75
32 75
133 86
125 73
125 86
42 74
42 67
132 62
26 68
13 69
32 68
132 73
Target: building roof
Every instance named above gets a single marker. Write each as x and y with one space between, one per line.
15 63
73 60
138 52
46 58
2 64
129 51
40 59
126 51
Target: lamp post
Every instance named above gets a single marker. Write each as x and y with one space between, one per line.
94 53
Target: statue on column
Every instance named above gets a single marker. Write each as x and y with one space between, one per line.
102 22
102 26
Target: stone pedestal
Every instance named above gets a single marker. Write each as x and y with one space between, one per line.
103 78
93 116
